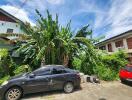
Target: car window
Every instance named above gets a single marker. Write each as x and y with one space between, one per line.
58 71
128 69
42 71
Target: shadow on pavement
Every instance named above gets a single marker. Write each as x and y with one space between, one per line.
102 99
41 94
46 94
127 83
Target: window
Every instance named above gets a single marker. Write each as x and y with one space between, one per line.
59 71
119 43
42 71
129 43
109 47
9 30
128 69
102 47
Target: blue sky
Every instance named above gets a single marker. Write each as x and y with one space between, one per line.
105 17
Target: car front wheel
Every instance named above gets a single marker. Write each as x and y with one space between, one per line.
68 87
13 94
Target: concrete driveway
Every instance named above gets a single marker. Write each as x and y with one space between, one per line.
104 91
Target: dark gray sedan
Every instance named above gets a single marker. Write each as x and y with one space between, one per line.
46 78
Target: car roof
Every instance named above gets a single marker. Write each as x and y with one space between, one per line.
53 66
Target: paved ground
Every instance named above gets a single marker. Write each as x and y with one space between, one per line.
89 91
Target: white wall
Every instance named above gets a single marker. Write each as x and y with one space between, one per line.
15 26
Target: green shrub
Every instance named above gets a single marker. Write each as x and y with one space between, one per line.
115 61
106 74
8 67
4 79
77 63
22 69
90 61
105 66
5 63
110 65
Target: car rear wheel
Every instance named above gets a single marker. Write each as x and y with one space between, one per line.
13 94
68 87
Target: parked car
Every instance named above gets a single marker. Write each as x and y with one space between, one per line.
46 78
126 74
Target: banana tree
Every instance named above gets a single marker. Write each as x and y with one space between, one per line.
54 44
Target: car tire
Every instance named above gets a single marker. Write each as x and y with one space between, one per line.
68 87
13 93
122 80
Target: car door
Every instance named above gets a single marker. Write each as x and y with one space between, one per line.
40 82
58 79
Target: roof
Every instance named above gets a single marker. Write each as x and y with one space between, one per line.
11 16
122 34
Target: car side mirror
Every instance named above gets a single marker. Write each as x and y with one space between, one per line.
32 75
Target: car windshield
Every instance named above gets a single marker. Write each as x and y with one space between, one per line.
128 69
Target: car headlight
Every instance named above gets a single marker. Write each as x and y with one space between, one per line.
4 83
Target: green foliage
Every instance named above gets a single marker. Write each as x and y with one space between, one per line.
105 66
106 74
5 63
16 70
4 79
77 63
22 69
115 61
90 61
110 65
53 43
3 53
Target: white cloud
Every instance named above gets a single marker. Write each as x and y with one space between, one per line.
31 5
118 30
55 1
91 7
19 13
118 17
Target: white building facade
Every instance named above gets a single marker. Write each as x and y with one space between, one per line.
122 41
10 28
7 27
9 23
